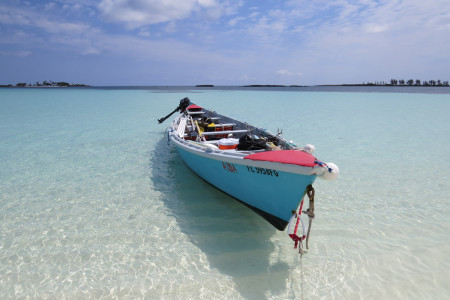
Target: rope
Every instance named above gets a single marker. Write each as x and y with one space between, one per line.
301 276
296 238
310 211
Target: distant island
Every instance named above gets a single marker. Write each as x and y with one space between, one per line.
204 85
398 82
392 82
46 83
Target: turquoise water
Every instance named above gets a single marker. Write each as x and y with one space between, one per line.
94 203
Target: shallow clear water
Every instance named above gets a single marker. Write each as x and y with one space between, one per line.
94 203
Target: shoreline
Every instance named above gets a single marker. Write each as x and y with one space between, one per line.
48 86
219 86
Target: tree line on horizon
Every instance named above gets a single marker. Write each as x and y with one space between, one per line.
411 82
46 83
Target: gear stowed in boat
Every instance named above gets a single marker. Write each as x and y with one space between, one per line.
262 170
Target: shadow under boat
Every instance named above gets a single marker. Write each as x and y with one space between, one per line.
234 238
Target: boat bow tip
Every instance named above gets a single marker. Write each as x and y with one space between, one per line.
331 171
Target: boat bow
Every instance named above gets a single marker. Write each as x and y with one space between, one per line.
261 170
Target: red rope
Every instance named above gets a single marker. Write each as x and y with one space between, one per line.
294 235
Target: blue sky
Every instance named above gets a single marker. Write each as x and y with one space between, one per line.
223 42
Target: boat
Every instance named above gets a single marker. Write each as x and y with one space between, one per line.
262 170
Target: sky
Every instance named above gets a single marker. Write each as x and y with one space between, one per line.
223 42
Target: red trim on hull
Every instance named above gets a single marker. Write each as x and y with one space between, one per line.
293 157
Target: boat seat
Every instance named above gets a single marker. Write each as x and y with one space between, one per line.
217 125
225 125
225 132
195 112
210 142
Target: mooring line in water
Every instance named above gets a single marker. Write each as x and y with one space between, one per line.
301 275
297 264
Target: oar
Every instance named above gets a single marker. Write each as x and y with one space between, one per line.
198 130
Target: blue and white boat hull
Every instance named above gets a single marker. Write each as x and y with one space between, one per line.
272 193
261 170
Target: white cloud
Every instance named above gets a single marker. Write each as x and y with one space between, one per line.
253 15
49 6
16 53
351 40
286 72
376 28
143 12
140 12
144 32
234 21
90 51
207 3
170 28
28 17
14 17
61 27
136 13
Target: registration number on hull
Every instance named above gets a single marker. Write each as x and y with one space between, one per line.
229 167
257 170
262 171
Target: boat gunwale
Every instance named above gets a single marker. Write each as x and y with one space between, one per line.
235 158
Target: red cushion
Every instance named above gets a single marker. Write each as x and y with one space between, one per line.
293 157
193 106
